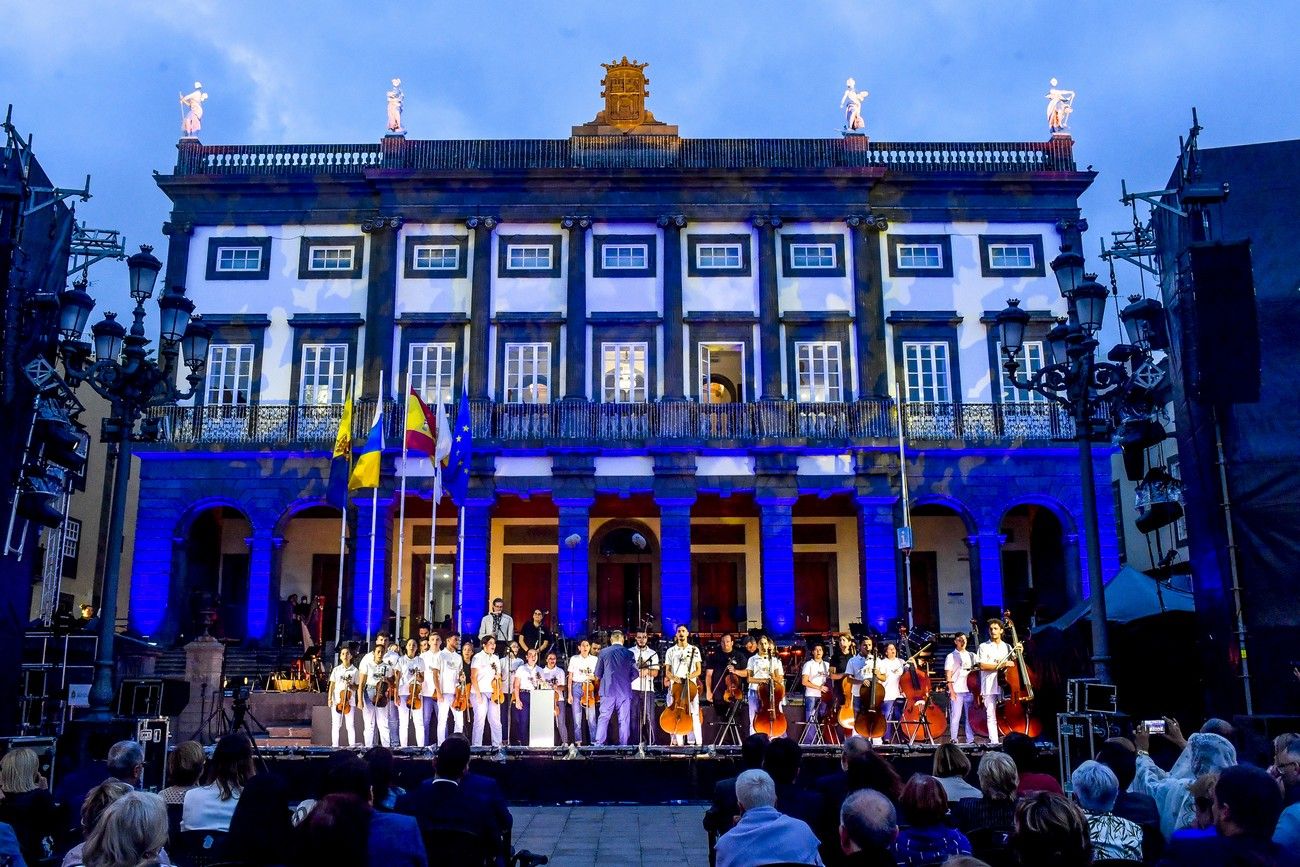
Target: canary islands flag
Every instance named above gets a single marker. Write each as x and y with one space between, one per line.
341 462
365 472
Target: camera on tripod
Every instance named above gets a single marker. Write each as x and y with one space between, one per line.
237 690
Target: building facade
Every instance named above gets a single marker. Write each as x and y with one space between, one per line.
689 363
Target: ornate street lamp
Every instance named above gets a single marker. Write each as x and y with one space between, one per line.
122 371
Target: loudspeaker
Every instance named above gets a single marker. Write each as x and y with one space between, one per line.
1224 364
152 697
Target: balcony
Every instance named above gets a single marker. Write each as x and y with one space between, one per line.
631 424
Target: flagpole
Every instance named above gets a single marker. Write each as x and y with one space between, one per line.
460 568
433 544
343 540
374 520
401 506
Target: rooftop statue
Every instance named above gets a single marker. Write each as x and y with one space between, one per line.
1059 105
395 100
851 102
192 113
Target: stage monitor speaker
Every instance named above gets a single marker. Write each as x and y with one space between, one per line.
152 697
1225 362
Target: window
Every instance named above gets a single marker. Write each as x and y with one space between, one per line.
1032 358
818 372
709 256
430 257
623 257
624 366
812 255
925 367
324 366
230 375
431 367
243 259
528 373
917 256
528 257
330 259
722 372
1004 256
71 547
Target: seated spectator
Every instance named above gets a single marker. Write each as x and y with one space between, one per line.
763 835
126 762
259 828
1095 788
1023 752
445 803
965 861
1286 767
1050 830
868 828
133 830
28 805
336 831
74 781
210 807
870 771
385 794
92 808
1247 803
994 809
1202 792
724 810
1120 756
950 768
1205 753
184 767
924 838
834 787
782 764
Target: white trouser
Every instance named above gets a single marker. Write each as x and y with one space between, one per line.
485 711
392 719
962 705
375 718
445 709
991 713
406 716
696 739
427 712
347 722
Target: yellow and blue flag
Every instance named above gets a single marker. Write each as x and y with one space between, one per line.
336 494
365 472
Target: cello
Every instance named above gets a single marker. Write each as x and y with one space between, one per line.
1015 712
676 718
979 723
870 720
920 713
770 719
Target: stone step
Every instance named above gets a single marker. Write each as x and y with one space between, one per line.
280 732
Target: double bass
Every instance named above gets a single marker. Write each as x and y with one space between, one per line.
870 719
676 718
920 714
979 723
1015 711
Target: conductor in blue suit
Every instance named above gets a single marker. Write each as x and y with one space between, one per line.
615 668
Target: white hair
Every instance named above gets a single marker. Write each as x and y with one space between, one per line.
1095 786
755 789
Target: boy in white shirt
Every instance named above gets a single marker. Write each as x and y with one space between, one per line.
447 669
994 655
582 669
343 677
956 667
816 672
486 668
553 676
890 671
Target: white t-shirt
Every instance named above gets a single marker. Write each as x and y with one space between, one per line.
204 810
449 664
430 660
343 678
554 677
681 661
816 671
484 669
645 680
526 677
993 654
893 671
763 668
374 672
407 667
957 666
582 668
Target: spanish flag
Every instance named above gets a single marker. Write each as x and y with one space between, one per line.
341 462
420 427
365 472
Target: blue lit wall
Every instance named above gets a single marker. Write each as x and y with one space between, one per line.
474 565
675 566
571 590
879 559
776 544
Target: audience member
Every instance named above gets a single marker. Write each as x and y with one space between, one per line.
763 835
781 761
92 808
868 828
184 767
385 794
391 838
965 861
336 831
1247 803
443 803
1202 792
1204 753
834 787
1120 756
73 782
924 838
994 809
950 768
724 810
1023 752
1286 767
131 831
1050 830
259 828
1095 788
126 762
28 805
210 807
871 771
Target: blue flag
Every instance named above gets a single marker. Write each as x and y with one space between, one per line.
341 461
455 478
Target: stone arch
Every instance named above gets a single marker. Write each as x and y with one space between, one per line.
943 565
205 575
306 563
1040 557
625 582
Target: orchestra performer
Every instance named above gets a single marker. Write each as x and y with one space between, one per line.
430 648
955 669
373 670
553 676
683 661
890 670
486 668
343 676
857 670
447 672
467 655
615 669
993 656
409 668
535 636
582 668
497 624
527 677
763 665
392 656
841 653
646 660
816 673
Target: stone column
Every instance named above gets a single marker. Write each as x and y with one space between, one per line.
869 305
675 591
776 544
381 301
370 613
574 585
769 307
262 546
575 318
986 570
878 561
480 306
674 338
203 665
477 515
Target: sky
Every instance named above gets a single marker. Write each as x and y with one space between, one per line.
96 84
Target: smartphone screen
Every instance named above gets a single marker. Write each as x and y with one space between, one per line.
1155 726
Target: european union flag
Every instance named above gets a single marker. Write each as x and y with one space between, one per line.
456 477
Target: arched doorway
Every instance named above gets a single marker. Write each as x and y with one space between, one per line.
940 567
307 566
214 570
624 557
1038 581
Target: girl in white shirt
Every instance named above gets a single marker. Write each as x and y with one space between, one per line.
816 672
890 671
762 666
343 677
210 807
410 669
526 679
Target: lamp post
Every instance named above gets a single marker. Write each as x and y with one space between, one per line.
120 368
1089 389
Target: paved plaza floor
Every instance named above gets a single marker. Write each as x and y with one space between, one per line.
632 836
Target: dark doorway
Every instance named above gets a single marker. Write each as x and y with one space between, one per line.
1015 583
325 582
925 589
717 594
234 594
812 592
419 576
531 586
620 589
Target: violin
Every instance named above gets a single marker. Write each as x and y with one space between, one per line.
770 720
461 700
383 687
870 720
344 696
415 701
1015 712
589 696
498 695
979 723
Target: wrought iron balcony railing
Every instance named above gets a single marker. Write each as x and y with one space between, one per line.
501 424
